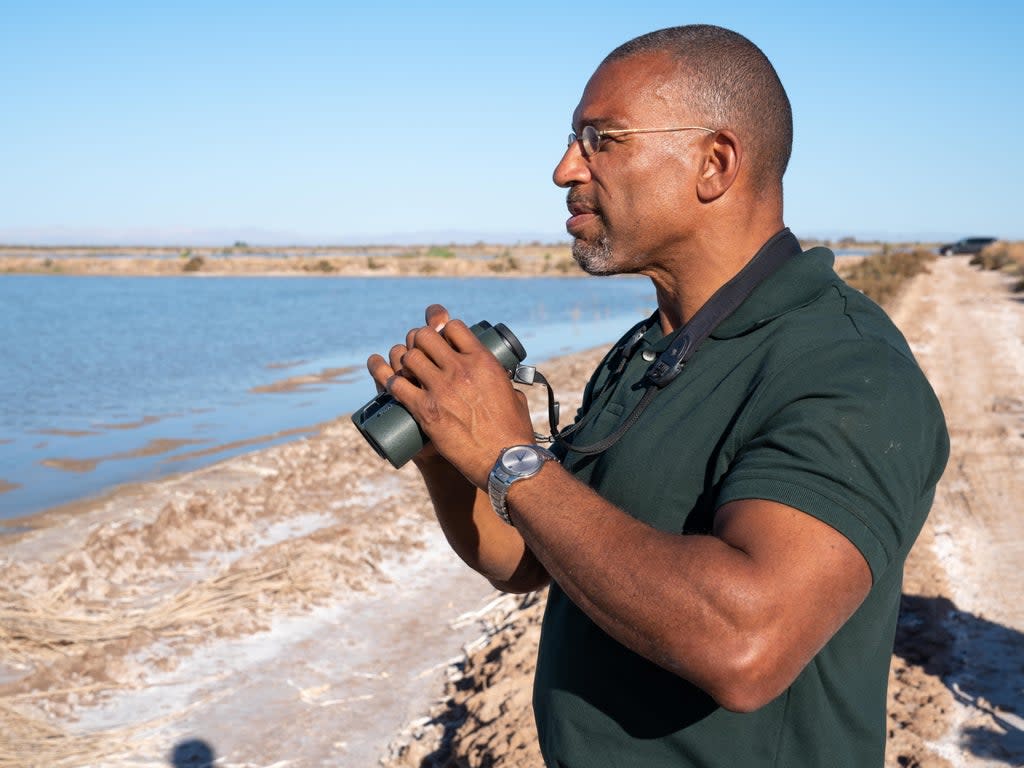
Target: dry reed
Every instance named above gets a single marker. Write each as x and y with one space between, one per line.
50 626
46 626
882 276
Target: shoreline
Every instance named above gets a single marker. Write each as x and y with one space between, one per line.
254 595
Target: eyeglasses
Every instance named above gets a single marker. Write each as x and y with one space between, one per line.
590 138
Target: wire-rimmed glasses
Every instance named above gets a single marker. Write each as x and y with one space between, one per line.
590 138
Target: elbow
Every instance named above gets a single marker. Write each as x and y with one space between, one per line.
529 576
749 678
741 676
742 699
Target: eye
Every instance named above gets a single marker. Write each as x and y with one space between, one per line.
590 138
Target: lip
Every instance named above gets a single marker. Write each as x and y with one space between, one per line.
581 214
578 221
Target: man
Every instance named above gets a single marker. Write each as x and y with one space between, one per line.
725 575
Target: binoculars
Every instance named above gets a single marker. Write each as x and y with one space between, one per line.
391 429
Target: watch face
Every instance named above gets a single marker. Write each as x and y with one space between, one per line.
521 460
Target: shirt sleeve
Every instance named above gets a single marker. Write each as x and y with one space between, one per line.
851 434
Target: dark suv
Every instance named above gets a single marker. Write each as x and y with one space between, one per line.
967 245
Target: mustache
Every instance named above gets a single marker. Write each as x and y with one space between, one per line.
576 201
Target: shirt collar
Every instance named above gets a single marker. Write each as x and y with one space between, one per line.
797 283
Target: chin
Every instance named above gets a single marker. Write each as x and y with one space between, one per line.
594 258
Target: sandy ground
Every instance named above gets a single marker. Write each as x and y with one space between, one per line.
297 606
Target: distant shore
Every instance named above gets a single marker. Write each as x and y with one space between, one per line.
476 260
348 261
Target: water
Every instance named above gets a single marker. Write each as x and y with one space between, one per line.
107 380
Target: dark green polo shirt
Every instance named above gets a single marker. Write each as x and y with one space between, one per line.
806 395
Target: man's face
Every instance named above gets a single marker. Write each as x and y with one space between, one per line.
628 201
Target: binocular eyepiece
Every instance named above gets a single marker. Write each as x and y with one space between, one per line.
391 429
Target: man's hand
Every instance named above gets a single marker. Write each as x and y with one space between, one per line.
457 391
383 371
465 402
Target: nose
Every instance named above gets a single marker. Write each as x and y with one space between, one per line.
572 168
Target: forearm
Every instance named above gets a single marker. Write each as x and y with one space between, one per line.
476 534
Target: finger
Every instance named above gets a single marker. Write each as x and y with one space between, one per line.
432 344
396 356
420 368
458 335
404 391
436 316
380 371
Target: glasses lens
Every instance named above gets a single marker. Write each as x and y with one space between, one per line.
590 139
572 140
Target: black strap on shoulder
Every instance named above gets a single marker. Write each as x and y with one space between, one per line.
722 303
726 300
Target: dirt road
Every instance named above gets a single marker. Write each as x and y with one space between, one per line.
963 614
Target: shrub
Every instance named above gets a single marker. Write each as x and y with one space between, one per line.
194 264
996 256
504 262
566 265
437 252
880 277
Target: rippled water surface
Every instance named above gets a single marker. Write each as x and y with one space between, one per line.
107 380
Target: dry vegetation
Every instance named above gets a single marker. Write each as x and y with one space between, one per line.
355 261
1005 257
880 277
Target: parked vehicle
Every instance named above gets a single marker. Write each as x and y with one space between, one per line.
966 245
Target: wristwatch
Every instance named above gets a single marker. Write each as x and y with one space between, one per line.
514 464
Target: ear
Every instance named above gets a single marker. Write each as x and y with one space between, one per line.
720 166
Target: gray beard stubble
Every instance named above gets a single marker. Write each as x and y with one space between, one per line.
593 258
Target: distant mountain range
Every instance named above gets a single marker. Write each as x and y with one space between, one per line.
224 237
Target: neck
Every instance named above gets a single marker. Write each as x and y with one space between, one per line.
694 273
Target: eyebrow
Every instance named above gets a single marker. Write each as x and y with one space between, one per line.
601 123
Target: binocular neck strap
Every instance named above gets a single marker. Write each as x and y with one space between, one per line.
726 300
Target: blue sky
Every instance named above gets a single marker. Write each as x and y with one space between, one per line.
335 122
